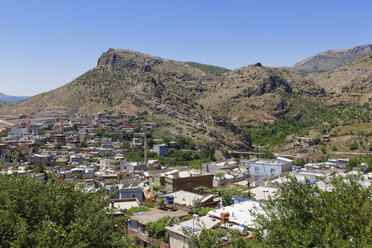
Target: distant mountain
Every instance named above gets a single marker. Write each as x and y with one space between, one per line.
331 59
351 78
6 98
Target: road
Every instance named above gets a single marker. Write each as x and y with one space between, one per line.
7 123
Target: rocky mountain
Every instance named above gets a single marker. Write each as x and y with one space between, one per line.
331 59
208 103
133 82
258 93
7 98
351 78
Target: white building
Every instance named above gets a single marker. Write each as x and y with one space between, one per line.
259 168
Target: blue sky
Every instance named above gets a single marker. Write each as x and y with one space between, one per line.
46 44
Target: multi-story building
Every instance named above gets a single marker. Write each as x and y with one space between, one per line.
174 180
161 150
259 168
137 225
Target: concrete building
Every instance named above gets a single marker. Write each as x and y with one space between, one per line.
137 225
214 167
136 166
339 163
120 205
127 193
48 159
177 237
239 214
161 150
188 199
259 168
174 180
59 138
240 218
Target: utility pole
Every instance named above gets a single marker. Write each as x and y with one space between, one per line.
61 122
145 148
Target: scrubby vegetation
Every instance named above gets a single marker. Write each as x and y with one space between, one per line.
209 69
313 117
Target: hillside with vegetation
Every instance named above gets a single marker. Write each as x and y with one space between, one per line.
354 78
259 94
209 69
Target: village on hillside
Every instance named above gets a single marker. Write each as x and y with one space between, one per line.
159 181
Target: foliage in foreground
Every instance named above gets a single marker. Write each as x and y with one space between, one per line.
55 214
305 216
302 215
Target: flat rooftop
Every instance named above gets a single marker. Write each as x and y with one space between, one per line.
263 193
184 197
205 222
155 214
239 213
125 204
267 161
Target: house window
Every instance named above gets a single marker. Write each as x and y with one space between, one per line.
189 185
256 168
143 229
133 224
272 171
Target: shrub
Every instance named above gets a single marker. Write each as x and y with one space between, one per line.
353 146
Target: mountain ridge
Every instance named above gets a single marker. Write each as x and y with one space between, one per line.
210 104
331 59
8 98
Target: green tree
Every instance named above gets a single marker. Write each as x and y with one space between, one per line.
207 238
202 211
353 162
353 146
158 187
368 161
3 134
39 167
299 162
195 167
156 228
125 145
83 144
267 154
226 198
323 149
203 190
219 175
135 156
58 145
334 147
207 153
302 215
55 214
